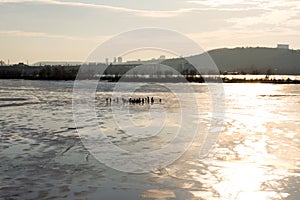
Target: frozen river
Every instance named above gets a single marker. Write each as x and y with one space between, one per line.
257 155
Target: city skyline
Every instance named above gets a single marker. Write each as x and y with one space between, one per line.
53 30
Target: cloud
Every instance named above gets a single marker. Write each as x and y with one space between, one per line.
143 13
203 5
276 13
138 12
50 36
246 4
219 3
274 18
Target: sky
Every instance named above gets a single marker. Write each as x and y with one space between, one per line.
69 30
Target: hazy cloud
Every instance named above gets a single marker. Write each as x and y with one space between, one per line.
276 13
47 35
212 23
143 13
214 6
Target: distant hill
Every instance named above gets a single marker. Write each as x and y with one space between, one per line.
259 60
241 60
250 60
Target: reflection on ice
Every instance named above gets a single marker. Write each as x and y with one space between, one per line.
242 180
244 164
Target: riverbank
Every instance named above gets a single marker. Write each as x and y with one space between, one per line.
176 80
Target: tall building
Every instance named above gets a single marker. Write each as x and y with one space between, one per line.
120 60
2 63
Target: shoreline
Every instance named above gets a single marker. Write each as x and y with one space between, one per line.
173 80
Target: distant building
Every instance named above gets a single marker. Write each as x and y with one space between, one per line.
162 57
120 60
230 73
283 46
2 63
106 61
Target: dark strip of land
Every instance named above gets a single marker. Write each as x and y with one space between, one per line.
125 73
